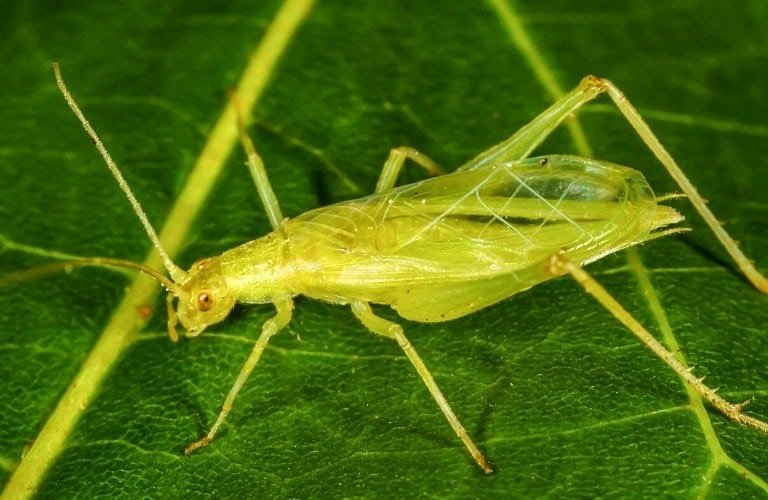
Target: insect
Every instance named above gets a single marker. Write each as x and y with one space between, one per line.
438 249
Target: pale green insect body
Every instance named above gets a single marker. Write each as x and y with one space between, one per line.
437 249
440 248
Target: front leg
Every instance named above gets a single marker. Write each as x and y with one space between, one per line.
268 330
258 172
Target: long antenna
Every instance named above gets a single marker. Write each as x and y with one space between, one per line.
177 274
107 262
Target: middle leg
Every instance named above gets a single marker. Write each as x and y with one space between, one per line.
394 164
362 310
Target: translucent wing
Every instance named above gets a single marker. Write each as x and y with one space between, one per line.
489 230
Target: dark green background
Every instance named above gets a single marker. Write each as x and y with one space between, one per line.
561 398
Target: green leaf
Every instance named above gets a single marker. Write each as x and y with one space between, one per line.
559 396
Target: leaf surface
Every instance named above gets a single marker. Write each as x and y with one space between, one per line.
562 400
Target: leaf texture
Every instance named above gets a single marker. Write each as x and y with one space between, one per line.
562 400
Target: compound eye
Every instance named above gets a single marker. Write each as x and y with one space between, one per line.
204 301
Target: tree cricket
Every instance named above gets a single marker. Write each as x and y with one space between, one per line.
438 249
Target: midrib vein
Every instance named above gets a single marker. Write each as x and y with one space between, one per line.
511 21
125 323
719 457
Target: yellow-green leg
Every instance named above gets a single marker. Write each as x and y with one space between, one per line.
268 330
649 138
259 173
524 141
394 164
362 310
560 264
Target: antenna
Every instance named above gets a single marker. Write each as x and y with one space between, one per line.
108 262
177 274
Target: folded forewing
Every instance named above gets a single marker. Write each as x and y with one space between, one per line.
484 222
